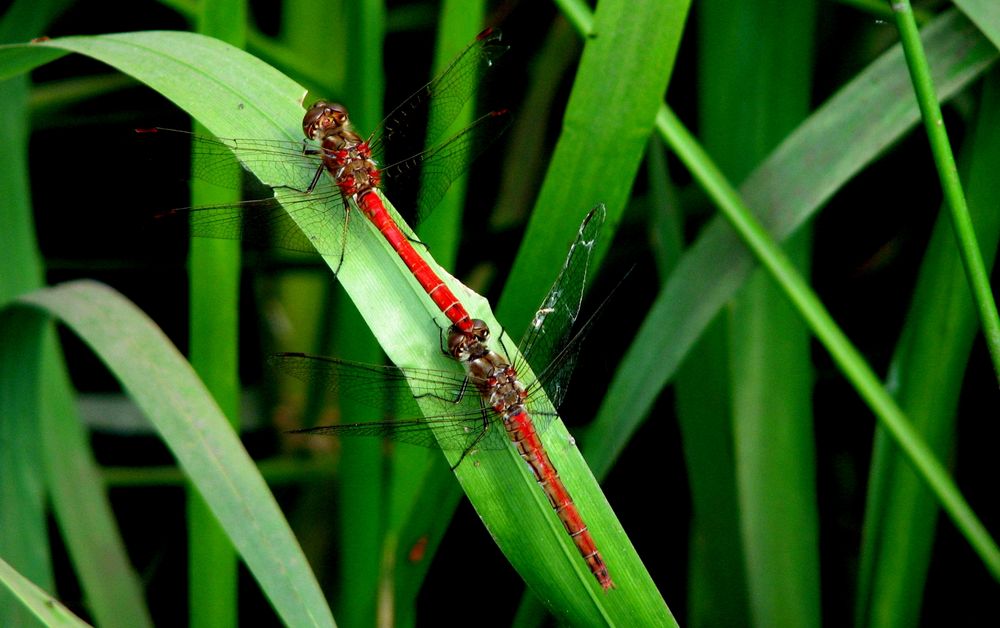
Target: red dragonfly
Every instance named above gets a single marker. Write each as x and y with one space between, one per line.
333 147
507 407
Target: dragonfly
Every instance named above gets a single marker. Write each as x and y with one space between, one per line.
334 149
508 408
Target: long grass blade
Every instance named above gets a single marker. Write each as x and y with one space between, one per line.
43 606
927 375
162 383
46 451
829 148
623 73
944 160
764 418
214 267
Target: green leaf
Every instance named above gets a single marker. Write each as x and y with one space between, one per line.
985 14
164 386
951 184
112 588
39 408
214 292
47 609
23 540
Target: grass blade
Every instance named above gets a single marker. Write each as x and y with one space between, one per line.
214 268
46 609
764 418
789 187
161 382
623 73
927 376
944 160
39 413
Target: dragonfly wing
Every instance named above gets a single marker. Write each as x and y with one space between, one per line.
455 416
372 384
449 92
440 165
548 336
214 159
262 223
413 431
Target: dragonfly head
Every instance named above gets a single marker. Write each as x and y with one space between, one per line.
325 119
468 345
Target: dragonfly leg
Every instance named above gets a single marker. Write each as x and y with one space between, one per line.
312 184
441 343
343 237
457 399
503 347
419 242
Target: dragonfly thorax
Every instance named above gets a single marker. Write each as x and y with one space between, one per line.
497 382
353 170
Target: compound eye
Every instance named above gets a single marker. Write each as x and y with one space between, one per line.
480 330
337 113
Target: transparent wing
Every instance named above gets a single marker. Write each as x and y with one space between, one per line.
547 343
440 165
456 421
213 158
449 91
262 222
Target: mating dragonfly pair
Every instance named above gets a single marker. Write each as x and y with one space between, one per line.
507 408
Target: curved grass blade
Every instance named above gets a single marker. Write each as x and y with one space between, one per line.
39 387
165 387
927 373
46 609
